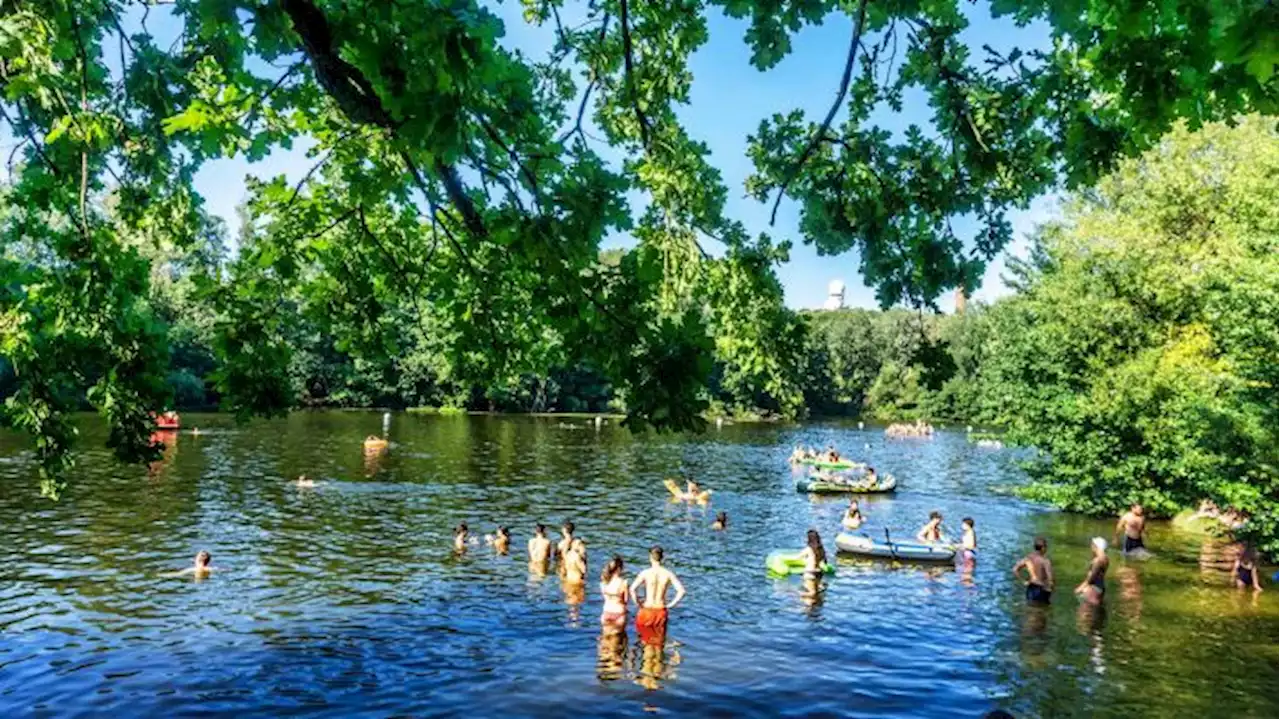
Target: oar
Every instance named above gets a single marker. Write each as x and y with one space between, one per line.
889 542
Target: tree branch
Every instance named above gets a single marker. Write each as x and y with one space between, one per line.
359 101
831 114
586 95
630 79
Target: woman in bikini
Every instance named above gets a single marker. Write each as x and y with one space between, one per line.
613 587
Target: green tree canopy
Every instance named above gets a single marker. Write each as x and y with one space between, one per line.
1141 353
456 173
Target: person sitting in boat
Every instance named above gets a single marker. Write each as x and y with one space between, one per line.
932 530
852 516
722 521
814 555
871 475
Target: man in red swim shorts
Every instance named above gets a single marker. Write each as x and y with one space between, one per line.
651 620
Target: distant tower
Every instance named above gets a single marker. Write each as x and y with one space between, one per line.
835 295
960 300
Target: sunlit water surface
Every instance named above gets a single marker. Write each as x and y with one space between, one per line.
346 600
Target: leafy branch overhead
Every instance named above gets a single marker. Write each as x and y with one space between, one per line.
457 188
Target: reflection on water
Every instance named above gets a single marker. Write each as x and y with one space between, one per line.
345 599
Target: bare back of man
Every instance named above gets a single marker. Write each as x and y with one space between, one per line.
651 620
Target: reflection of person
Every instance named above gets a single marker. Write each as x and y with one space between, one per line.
651 619
1132 523
611 658
1094 585
1245 569
1039 573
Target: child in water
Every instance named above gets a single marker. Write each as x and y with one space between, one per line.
852 516
968 542
1245 569
722 521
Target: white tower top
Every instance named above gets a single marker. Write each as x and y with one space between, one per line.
835 295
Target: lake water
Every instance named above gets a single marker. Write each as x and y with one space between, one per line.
346 600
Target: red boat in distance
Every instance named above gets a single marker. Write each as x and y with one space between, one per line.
168 420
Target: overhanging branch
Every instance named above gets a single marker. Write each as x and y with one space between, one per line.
831 114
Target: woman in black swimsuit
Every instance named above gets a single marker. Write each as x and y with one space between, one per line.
1245 569
1094 584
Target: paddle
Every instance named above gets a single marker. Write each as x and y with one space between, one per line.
889 542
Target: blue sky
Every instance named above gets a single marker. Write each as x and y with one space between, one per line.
728 101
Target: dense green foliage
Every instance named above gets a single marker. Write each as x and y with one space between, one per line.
1140 353
447 237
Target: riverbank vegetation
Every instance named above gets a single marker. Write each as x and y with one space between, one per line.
444 249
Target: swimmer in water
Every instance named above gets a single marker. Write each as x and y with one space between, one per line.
501 540
575 563
722 521
304 482
201 567
539 546
461 535
814 555
932 530
566 534
613 587
1095 578
968 542
1245 569
1039 573
651 619
1134 524
852 516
